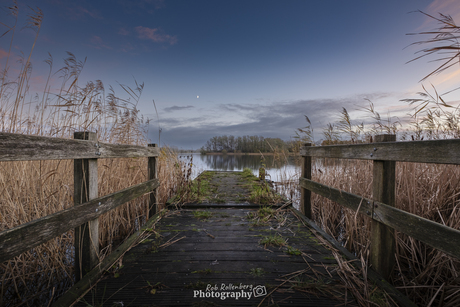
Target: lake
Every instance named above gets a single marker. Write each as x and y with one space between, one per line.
276 169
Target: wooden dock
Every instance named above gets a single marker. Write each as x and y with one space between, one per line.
225 254
224 245
188 258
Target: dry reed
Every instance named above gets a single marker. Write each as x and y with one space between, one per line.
33 189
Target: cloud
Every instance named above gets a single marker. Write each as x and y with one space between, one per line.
273 119
145 6
98 43
155 36
3 53
446 7
123 31
177 108
79 12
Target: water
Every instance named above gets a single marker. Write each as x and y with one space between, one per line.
277 170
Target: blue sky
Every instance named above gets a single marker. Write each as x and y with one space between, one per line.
257 66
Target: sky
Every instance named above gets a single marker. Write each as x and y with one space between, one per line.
243 67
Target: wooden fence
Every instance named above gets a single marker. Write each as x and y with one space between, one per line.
85 150
385 217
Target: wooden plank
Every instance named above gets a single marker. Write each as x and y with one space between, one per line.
86 239
152 170
186 265
25 237
345 199
82 286
383 241
433 151
305 195
20 147
434 234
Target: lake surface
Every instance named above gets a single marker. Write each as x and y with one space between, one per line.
278 169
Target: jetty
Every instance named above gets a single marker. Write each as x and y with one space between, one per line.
224 250
235 243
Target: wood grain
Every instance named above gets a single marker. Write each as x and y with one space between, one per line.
434 151
19 147
434 234
25 237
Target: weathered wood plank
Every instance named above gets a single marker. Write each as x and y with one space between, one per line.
82 286
25 237
152 170
150 262
433 151
20 147
86 239
345 199
305 195
383 241
434 234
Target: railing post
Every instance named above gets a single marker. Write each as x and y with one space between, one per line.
383 241
153 174
85 189
305 195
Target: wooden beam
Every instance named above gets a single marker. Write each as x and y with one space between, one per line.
20 147
305 195
86 238
345 199
434 151
24 237
383 241
436 235
152 170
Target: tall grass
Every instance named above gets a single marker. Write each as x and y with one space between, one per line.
33 189
427 276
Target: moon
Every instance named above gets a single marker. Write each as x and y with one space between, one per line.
197 96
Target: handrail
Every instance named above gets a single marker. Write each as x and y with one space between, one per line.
385 218
432 151
84 149
20 147
24 237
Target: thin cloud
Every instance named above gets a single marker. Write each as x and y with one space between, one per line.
79 12
98 43
145 6
446 7
177 108
3 54
234 107
155 35
123 32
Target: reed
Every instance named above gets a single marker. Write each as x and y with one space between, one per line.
426 275
33 189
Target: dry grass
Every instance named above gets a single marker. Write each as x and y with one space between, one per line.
430 191
33 189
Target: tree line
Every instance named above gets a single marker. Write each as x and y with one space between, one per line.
246 144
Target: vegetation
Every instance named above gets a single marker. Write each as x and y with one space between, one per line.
246 144
275 240
427 276
33 189
202 215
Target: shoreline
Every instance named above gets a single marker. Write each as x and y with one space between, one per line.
238 153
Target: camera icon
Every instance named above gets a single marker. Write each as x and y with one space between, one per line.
259 291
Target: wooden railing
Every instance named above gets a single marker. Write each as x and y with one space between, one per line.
381 209
85 150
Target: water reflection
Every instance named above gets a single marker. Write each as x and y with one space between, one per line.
277 169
